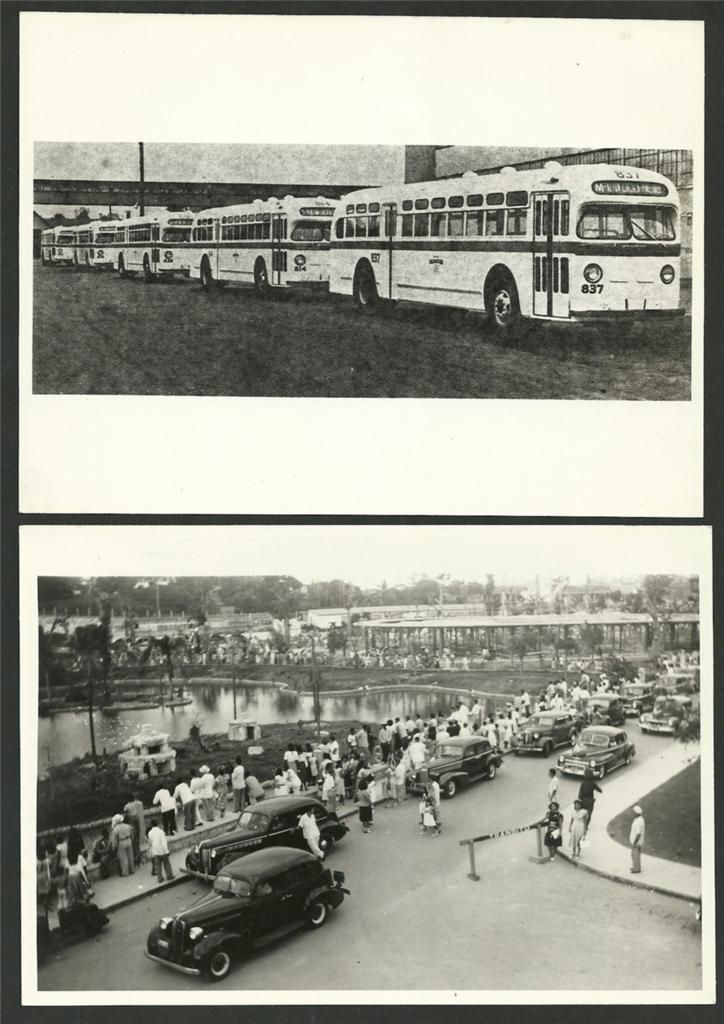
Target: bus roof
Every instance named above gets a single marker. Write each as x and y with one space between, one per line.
552 176
317 206
165 217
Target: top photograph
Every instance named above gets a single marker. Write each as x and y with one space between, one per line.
362 271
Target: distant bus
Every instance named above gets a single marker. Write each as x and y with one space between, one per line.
561 243
273 243
154 246
63 252
83 245
101 251
47 242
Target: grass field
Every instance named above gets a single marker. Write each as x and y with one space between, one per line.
96 334
673 819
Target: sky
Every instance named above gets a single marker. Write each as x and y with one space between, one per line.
367 555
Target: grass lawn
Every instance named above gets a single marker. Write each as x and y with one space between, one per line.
673 820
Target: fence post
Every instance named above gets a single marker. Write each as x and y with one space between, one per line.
539 858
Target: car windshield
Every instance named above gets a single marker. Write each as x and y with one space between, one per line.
447 750
537 720
311 231
253 821
664 706
592 739
227 886
644 223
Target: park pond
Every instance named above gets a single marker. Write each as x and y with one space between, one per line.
65 735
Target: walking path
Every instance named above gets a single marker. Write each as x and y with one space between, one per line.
601 854
604 856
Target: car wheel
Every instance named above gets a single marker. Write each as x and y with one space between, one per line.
547 749
317 914
450 788
326 844
492 770
218 965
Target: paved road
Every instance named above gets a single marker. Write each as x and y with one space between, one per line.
415 921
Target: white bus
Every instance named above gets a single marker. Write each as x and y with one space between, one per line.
83 245
63 246
272 243
153 245
560 243
101 254
47 242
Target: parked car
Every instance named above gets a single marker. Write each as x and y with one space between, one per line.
672 683
637 697
273 822
666 714
600 748
606 709
457 761
254 900
544 731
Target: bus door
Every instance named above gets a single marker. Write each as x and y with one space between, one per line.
389 229
551 225
279 248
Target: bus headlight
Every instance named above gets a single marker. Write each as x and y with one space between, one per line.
592 273
667 274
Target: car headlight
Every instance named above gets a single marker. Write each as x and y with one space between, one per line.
592 273
592 764
212 854
667 274
164 923
561 759
536 735
196 933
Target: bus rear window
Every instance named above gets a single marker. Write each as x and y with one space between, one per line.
311 231
644 223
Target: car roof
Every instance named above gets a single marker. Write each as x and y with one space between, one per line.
462 741
607 730
259 865
281 804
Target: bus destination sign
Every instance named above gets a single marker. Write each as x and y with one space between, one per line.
316 211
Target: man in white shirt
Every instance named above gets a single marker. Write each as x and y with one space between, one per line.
186 798
159 852
168 810
417 753
195 786
636 839
238 786
206 792
463 713
310 831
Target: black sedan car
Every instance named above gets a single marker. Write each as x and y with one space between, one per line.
273 822
457 761
600 748
254 901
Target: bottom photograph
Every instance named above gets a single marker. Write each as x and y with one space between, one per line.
432 762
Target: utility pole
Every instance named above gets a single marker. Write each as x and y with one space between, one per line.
141 181
233 680
315 692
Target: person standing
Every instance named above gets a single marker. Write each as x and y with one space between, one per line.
636 839
206 791
586 792
400 776
432 790
220 790
329 788
183 795
166 802
384 738
364 799
310 831
552 793
196 788
577 828
553 822
159 852
122 844
238 784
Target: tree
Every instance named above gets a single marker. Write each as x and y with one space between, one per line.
92 644
592 637
656 589
337 639
491 598
524 641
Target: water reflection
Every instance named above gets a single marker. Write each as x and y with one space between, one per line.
63 736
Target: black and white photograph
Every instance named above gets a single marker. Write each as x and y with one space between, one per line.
362 271
499 734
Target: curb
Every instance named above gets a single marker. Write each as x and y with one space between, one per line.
634 882
142 895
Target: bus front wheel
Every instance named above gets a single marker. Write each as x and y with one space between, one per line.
207 278
365 288
501 304
121 268
148 274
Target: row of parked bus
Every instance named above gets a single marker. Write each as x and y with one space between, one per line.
558 243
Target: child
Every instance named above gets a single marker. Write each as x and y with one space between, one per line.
365 805
427 816
577 828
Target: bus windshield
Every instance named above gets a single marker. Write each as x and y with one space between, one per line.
311 231
66 239
176 235
644 223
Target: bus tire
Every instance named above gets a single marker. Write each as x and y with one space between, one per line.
364 290
148 275
122 272
205 275
501 302
261 279
87 262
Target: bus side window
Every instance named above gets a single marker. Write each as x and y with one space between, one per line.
475 221
361 227
406 229
390 223
437 225
374 227
349 227
455 225
422 221
517 222
339 228
494 222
